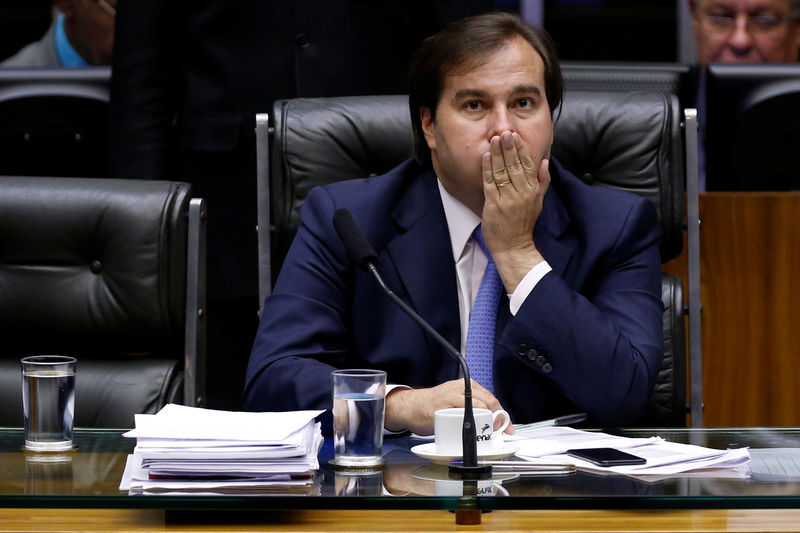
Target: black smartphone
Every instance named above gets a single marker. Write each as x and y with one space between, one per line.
607 456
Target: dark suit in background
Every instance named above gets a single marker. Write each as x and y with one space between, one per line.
189 76
587 338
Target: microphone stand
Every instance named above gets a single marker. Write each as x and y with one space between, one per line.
360 251
469 467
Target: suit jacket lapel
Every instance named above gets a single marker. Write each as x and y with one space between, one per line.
423 258
422 254
547 233
551 226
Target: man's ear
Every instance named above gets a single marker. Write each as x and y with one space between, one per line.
426 118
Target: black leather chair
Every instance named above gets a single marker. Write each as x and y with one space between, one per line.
598 76
630 141
54 122
111 272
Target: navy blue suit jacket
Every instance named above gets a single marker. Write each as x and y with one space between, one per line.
588 337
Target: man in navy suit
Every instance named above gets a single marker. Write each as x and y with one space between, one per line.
578 326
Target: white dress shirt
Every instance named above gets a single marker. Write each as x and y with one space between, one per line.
471 261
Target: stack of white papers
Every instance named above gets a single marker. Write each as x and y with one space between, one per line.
190 450
663 458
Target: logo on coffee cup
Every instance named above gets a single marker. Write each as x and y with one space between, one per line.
448 429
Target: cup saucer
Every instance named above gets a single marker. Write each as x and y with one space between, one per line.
428 451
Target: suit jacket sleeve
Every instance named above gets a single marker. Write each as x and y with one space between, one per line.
601 346
143 88
303 331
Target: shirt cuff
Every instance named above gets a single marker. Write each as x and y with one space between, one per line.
524 288
390 388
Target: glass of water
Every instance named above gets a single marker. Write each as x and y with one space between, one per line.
48 402
358 411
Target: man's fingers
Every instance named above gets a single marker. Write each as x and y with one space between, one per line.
543 175
526 161
477 404
490 190
413 408
511 158
482 398
499 170
480 393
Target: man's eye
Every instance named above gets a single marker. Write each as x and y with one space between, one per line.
722 19
472 106
765 22
524 103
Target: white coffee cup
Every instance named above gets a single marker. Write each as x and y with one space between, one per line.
447 428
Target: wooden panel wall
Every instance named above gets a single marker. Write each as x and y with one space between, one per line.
750 289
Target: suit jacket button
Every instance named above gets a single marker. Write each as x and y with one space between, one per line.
547 368
522 349
539 360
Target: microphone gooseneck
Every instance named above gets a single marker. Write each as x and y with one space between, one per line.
361 252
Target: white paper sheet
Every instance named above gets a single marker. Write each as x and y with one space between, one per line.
663 457
559 439
781 465
183 422
177 450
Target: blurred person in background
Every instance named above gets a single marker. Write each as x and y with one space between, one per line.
81 35
740 31
746 31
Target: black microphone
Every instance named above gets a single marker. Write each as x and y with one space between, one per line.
363 255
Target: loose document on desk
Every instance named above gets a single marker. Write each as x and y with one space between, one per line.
663 457
189 450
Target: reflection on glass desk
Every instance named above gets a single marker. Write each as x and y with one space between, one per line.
90 476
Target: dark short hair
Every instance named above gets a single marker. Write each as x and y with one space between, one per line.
465 43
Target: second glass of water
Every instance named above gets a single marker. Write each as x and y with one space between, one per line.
48 402
358 411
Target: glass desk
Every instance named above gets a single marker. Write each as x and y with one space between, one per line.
90 478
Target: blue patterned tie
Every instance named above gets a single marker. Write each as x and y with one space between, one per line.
480 335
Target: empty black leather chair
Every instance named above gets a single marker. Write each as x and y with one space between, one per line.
54 122
111 272
630 141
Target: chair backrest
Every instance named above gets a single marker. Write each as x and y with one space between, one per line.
667 406
632 142
322 140
599 76
102 270
54 122
629 141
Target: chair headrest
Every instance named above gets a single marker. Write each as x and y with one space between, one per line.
629 141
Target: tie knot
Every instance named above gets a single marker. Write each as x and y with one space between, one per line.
478 236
